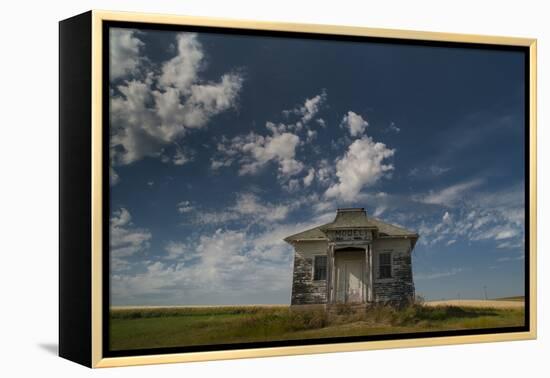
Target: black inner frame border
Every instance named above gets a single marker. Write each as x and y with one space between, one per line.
106 25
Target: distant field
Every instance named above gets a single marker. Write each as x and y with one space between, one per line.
152 327
520 298
517 302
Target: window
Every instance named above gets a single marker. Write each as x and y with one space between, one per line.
320 268
384 265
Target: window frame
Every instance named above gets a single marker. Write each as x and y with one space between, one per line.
389 264
314 268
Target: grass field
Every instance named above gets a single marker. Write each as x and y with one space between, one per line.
137 328
518 298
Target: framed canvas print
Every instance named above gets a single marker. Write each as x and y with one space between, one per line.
235 189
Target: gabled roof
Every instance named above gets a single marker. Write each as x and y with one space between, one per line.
314 233
391 229
352 218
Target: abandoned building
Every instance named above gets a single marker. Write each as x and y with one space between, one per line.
355 259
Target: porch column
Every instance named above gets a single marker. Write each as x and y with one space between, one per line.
330 268
366 275
330 273
370 289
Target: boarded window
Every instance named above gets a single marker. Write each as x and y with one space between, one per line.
384 265
320 268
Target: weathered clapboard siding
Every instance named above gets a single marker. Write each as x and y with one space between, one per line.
400 287
304 289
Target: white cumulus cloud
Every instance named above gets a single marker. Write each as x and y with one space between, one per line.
362 165
124 52
354 123
256 151
152 112
181 71
309 109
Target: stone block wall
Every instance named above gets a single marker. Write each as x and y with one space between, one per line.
399 288
304 289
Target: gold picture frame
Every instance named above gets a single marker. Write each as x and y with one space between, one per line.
82 319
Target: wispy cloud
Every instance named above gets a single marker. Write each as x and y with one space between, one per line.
450 195
428 172
497 217
437 275
126 240
184 207
179 251
515 258
224 266
247 208
393 128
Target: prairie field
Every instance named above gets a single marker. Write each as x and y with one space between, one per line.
156 327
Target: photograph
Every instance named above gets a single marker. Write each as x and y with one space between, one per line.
271 188
206 188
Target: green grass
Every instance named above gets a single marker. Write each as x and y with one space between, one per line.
169 327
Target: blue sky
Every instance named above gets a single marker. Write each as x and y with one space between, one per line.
222 145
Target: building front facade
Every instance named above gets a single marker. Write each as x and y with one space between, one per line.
355 259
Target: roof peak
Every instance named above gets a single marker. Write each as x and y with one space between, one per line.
351 210
349 217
